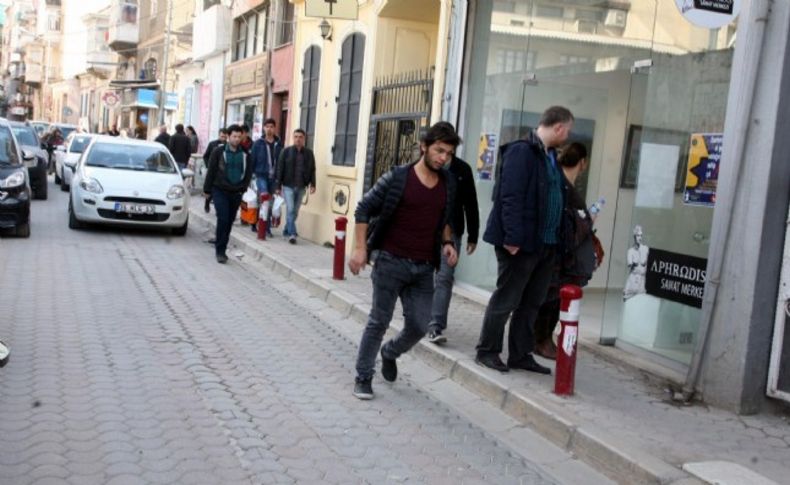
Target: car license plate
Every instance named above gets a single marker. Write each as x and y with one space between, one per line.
134 208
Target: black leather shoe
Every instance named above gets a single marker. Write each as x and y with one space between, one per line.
492 362
529 363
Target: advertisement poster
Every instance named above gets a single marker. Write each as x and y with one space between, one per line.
205 114
486 156
702 175
676 277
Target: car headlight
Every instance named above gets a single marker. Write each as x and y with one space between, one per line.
176 192
14 180
91 185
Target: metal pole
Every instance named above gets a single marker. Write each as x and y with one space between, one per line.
163 88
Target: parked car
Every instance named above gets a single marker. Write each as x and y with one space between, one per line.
28 140
129 182
41 127
14 183
67 156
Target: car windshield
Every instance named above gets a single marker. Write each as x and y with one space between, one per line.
41 128
8 153
79 144
129 157
65 130
25 136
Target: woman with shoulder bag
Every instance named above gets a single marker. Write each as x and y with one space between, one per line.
582 252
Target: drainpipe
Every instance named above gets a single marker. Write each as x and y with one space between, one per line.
163 90
751 38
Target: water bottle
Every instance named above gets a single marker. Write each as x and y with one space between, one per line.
597 206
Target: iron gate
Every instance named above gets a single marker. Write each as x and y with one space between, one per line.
401 108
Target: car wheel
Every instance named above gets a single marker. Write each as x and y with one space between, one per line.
23 230
181 231
63 185
74 223
57 178
41 191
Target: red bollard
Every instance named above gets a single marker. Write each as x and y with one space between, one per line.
565 375
340 248
263 215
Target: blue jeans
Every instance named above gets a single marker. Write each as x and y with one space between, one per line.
293 199
443 292
395 277
226 205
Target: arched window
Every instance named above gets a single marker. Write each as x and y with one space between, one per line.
310 75
352 58
150 68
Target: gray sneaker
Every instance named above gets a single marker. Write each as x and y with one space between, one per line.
363 389
436 337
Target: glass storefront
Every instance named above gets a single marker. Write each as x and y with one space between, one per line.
247 111
648 89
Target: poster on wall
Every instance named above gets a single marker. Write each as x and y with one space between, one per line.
656 181
676 277
711 14
205 114
702 175
486 156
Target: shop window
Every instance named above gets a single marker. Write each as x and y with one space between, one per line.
345 148
310 76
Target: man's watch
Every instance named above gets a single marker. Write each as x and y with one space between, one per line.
451 243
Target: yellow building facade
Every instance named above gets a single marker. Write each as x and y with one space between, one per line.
364 87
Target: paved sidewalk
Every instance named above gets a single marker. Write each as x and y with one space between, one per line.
620 421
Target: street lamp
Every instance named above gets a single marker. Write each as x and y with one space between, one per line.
326 30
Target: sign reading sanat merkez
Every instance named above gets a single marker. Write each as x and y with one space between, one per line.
676 277
710 14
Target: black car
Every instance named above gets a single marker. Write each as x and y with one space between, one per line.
28 139
14 183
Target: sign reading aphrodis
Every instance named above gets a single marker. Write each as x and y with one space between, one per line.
676 277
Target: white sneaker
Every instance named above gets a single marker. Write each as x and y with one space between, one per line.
436 337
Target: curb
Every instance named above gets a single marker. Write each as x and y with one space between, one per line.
618 461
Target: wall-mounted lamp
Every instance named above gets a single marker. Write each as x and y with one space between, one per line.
326 30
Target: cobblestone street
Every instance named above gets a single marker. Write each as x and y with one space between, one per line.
135 358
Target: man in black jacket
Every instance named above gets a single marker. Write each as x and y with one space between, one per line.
525 228
223 138
295 173
229 174
163 137
465 208
408 212
180 146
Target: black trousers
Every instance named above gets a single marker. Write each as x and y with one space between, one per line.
522 283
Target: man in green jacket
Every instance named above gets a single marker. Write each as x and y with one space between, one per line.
228 176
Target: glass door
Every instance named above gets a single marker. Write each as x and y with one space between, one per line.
665 189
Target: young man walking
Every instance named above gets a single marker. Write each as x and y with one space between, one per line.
229 174
295 174
525 228
465 215
408 212
265 152
180 146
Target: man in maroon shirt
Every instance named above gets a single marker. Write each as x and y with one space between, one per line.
404 221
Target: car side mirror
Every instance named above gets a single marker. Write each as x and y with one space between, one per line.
186 173
27 155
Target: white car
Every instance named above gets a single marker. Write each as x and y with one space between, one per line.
67 156
121 181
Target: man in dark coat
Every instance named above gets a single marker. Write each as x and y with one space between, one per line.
525 228
229 174
295 174
180 146
163 137
405 220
